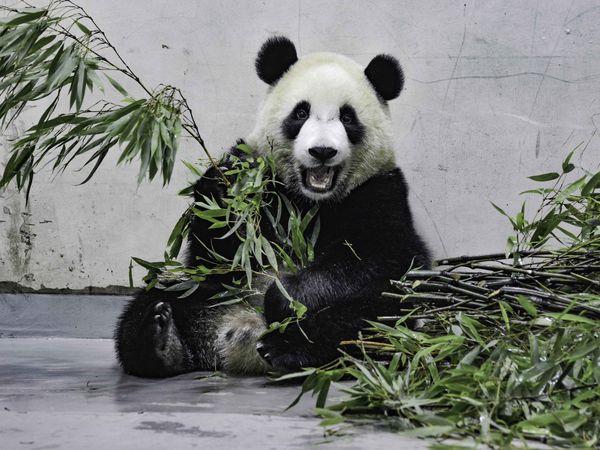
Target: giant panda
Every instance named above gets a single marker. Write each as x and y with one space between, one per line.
326 120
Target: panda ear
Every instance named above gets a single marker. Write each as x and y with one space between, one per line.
386 77
274 58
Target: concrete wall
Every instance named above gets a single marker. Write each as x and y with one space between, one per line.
495 91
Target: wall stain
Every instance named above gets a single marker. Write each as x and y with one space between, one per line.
20 238
16 255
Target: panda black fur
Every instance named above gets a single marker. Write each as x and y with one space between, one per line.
327 122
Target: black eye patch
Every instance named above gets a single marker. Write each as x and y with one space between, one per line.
355 130
295 120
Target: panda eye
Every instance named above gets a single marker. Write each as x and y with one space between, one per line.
302 114
347 119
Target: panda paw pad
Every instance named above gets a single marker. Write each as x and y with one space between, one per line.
162 316
162 326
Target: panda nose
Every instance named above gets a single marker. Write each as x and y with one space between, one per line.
322 153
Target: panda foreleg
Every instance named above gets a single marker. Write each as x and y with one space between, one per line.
314 340
317 339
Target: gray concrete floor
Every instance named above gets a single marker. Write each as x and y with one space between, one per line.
68 393
60 388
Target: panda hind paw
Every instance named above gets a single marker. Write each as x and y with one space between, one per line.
165 336
162 318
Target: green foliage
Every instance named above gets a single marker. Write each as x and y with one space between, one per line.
568 211
461 375
500 348
250 199
50 54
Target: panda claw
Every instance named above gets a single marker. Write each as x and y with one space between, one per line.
162 314
263 351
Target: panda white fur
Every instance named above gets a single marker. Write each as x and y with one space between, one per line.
327 122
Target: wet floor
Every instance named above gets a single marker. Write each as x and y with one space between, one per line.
63 393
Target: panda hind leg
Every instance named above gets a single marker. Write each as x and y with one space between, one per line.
148 342
238 332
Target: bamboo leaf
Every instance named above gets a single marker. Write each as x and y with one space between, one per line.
83 28
591 185
120 89
527 305
27 15
545 176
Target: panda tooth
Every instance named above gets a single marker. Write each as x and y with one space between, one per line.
320 178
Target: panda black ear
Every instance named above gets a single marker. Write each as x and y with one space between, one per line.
274 58
385 74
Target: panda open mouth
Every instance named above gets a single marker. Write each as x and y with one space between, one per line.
320 179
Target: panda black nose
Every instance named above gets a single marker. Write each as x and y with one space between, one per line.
322 153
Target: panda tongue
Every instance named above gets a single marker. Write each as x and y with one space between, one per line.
320 178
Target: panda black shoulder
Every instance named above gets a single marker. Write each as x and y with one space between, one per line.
384 199
383 188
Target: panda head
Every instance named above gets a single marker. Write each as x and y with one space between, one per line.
325 118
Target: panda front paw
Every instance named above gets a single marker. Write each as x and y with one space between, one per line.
311 342
211 185
280 353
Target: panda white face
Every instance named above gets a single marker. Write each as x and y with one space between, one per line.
323 137
325 119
